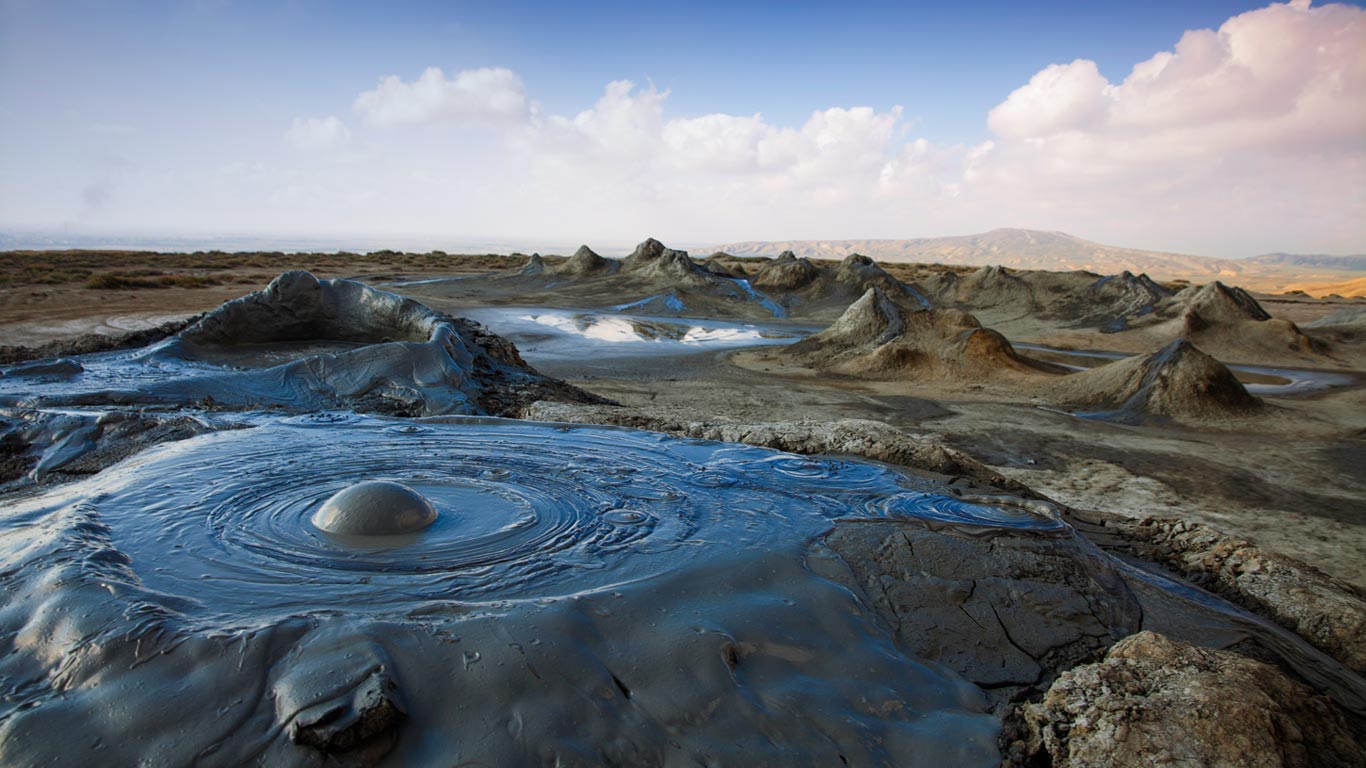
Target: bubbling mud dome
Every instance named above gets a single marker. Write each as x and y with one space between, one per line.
375 508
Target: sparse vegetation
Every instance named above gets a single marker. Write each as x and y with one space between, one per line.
142 279
114 270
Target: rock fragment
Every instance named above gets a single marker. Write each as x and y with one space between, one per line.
1162 703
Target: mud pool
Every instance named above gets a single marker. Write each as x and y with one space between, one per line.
555 334
583 548
525 511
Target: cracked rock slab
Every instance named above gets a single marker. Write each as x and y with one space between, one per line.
1006 611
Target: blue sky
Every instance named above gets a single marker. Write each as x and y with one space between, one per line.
128 117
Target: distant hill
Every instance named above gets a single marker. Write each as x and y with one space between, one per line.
1347 288
1353 263
1059 251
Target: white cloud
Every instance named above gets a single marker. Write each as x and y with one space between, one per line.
1256 130
627 127
624 124
318 134
725 143
488 94
1061 97
1283 77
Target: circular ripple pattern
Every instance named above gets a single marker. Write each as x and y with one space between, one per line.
525 510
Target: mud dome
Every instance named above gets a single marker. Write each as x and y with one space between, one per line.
375 508
592 594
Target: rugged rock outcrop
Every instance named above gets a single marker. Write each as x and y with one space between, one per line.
1158 702
1327 612
877 337
1178 381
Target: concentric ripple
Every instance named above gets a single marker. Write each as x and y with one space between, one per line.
525 510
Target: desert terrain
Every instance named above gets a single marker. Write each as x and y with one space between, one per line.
1290 473
1077 477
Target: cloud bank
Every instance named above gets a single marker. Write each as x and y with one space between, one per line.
1242 139
476 94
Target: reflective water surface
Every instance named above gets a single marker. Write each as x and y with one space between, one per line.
525 510
560 334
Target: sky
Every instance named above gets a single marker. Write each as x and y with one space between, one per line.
1216 128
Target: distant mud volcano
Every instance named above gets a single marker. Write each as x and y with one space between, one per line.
308 344
878 338
988 287
584 263
1075 299
665 281
1231 324
811 287
1178 381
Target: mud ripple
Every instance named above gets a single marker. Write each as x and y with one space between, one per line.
525 511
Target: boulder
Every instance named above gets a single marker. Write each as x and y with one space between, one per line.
1156 702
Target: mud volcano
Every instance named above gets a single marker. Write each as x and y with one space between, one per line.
307 344
879 337
1178 382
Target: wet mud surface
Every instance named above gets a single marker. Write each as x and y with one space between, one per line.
580 549
525 511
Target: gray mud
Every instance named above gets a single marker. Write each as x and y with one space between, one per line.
653 592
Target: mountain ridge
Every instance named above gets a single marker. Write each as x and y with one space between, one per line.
1060 251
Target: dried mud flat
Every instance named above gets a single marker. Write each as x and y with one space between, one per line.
799 552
